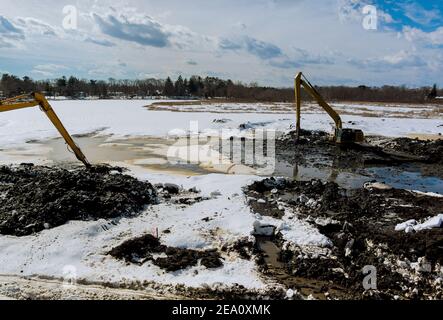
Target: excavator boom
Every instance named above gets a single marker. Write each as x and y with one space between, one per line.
341 135
38 99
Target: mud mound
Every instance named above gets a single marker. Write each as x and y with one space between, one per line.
142 249
36 198
372 213
314 148
361 224
432 150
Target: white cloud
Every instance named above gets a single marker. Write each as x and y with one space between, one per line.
164 38
146 31
433 38
420 15
9 33
261 49
22 28
32 26
112 69
5 43
352 11
299 58
48 70
9 30
399 60
142 30
100 42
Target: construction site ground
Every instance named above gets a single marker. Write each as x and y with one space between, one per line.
147 224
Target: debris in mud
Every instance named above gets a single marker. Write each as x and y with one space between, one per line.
431 149
173 193
413 225
362 225
261 229
36 197
221 120
253 125
244 247
171 188
315 147
149 248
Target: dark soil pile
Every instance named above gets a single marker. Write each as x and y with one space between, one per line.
142 249
432 150
361 224
34 198
314 148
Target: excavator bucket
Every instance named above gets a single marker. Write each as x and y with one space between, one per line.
348 136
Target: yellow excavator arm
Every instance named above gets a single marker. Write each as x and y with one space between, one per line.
341 135
38 99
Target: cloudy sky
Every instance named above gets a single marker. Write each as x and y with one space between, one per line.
264 41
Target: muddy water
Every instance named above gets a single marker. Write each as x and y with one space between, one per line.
401 177
276 269
407 177
346 179
149 153
181 156
146 152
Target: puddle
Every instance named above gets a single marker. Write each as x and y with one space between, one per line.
402 178
277 270
351 176
346 179
409 177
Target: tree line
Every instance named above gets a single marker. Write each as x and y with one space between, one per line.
199 87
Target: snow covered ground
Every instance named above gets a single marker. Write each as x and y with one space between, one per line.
81 247
387 110
129 118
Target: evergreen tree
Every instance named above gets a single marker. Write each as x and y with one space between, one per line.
179 87
72 88
433 94
168 88
193 86
61 85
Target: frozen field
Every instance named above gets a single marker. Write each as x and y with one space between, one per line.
82 246
129 118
